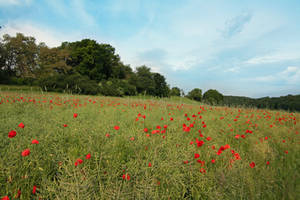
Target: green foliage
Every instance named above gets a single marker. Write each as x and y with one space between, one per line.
175 91
195 94
97 61
117 87
212 97
289 102
74 83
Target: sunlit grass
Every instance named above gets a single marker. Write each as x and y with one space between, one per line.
128 151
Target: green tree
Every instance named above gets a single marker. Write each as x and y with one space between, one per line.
144 81
161 87
52 61
195 94
21 54
97 61
213 96
175 91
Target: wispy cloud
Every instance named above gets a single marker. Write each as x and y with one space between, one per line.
273 58
14 2
82 14
290 75
51 37
236 24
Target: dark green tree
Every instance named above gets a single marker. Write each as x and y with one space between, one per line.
213 96
144 81
161 87
97 61
175 91
195 94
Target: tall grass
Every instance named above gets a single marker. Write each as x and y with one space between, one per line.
174 173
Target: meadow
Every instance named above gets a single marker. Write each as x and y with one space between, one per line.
64 146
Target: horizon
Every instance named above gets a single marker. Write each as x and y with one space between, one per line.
248 48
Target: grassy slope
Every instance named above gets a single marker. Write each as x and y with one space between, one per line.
50 166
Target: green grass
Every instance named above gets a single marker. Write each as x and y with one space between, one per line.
51 163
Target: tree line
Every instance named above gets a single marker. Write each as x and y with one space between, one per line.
87 67
84 67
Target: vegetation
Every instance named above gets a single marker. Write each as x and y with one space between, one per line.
60 146
212 97
87 67
195 94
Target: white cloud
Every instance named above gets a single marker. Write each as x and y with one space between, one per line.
42 34
273 58
14 2
291 75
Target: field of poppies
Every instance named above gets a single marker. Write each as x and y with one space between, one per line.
60 146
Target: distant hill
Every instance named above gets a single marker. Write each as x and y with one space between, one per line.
289 102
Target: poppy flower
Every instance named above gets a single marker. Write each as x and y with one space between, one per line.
145 130
18 195
268 162
126 176
149 165
252 164
5 198
34 142
88 156
21 125
117 127
26 152
213 161
80 161
75 115
196 155
34 189
186 162
202 171
12 133
65 125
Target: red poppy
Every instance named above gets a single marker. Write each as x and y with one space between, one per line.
12 133
18 195
252 164
80 161
213 161
196 155
75 115
145 130
149 164
88 156
34 189
186 162
132 138
21 125
202 171
26 152
126 176
268 162
117 127
5 198
65 125
34 142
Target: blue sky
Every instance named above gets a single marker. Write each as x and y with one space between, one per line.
246 48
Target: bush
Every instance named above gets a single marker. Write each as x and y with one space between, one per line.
74 83
213 97
195 94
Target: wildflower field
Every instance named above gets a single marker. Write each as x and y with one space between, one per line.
59 146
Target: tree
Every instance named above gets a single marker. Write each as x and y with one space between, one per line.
195 94
21 54
161 87
97 61
175 91
213 96
144 81
52 61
